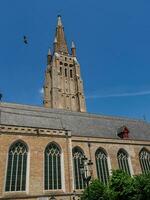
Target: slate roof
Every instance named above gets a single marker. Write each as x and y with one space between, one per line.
80 124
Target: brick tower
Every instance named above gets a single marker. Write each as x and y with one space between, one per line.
63 87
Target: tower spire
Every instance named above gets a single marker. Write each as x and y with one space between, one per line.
63 87
60 37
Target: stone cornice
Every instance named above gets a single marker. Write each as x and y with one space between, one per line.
5 129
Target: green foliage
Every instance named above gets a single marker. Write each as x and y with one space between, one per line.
142 187
121 187
95 191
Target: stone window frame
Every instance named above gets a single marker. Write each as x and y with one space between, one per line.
13 170
124 161
144 159
78 181
61 168
102 165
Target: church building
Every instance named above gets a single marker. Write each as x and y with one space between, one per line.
43 148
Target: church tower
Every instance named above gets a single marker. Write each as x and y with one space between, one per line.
63 87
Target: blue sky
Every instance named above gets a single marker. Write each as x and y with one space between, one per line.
113 48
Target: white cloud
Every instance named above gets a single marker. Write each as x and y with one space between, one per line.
125 94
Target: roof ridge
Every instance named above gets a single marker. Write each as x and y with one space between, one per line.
66 112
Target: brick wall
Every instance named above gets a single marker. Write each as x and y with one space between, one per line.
37 144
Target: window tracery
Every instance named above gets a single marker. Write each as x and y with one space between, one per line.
17 167
102 166
52 167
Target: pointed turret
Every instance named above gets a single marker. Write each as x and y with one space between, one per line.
49 52
49 57
73 49
60 41
55 40
55 45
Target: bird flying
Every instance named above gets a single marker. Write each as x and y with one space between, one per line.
25 40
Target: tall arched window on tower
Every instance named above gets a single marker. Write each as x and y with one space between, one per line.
53 179
60 70
65 72
77 162
144 158
17 167
123 161
71 75
102 165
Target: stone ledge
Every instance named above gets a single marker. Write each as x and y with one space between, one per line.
35 131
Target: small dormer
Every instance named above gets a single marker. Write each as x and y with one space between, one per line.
123 132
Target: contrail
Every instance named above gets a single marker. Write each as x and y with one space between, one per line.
128 94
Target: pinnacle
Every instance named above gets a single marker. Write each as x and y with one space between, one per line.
49 52
73 45
55 40
60 44
59 23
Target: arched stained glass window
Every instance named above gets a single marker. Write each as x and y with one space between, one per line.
77 162
102 165
52 167
17 167
144 158
123 161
